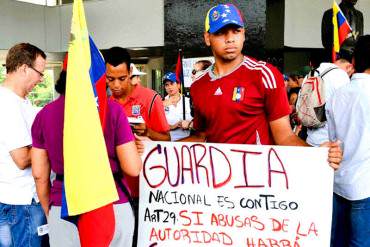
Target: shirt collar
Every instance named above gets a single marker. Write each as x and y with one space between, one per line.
360 76
134 94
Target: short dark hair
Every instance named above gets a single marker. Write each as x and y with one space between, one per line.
116 56
205 64
60 85
23 53
362 54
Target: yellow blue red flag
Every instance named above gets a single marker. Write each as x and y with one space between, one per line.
88 181
341 29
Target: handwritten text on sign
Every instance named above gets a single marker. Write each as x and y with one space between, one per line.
195 194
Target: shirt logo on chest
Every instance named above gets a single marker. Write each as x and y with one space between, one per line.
238 94
135 110
218 91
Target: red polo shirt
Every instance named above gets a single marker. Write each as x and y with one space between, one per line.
237 107
138 104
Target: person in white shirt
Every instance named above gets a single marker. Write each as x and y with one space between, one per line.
173 107
22 220
335 75
135 75
348 114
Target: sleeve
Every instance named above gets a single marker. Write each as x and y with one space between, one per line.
157 120
276 98
16 132
187 110
330 120
123 132
38 140
338 78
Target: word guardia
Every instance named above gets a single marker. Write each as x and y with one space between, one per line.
197 164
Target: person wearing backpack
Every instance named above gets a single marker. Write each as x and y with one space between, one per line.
348 113
325 80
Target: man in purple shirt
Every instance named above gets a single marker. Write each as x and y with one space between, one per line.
47 143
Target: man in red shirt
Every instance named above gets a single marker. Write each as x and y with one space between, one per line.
238 99
142 105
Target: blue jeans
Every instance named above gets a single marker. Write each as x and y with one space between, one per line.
351 222
19 223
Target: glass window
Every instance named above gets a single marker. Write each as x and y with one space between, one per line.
42 93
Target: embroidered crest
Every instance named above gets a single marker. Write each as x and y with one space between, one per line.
215 15
238 94
135 110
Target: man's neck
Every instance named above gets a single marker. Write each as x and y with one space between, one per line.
15 86
367 71
223 67
125 96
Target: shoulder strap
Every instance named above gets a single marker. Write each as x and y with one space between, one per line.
327 71
151 105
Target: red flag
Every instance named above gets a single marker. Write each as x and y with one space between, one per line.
179 70
180 78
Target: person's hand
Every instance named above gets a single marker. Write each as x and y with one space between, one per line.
140 144
184 124
140 129
175 126
335 154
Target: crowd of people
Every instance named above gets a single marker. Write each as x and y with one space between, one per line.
236 100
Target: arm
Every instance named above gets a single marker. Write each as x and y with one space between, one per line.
197 136
21 157
283 134
129 158
41 174
293 98
143 130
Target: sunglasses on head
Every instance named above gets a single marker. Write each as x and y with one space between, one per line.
194 71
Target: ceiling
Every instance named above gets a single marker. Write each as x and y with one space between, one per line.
48 2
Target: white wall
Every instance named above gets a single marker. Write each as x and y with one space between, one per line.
303 21
126 23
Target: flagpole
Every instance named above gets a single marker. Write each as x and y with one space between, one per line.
182 85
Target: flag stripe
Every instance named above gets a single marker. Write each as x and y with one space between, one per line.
88 179
341 29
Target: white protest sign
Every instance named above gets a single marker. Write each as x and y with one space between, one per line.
195 194
187 65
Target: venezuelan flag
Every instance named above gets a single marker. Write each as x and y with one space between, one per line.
341 29
89 187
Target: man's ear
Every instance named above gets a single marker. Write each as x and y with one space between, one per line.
23 68
350 69
206 38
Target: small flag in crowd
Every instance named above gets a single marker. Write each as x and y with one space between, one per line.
89 187
341 29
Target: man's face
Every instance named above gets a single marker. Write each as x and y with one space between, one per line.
227 43
35 73
135 80
197 71
118 79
